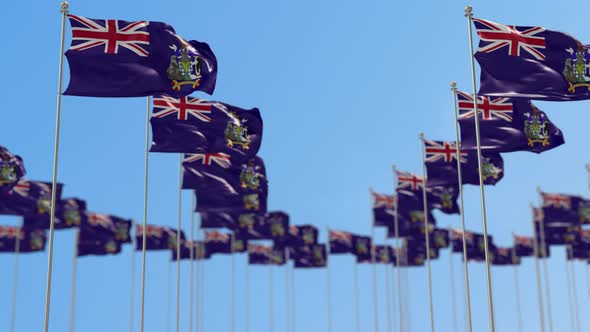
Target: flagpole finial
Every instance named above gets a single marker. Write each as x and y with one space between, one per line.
393 167
539 190
468 11
421 135
453 85
64 7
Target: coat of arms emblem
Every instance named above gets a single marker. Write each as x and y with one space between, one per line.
121 232
576 70
489 170
185 67
446 199
584 213
276 228
318 257
236 133
110 247
172 241
251 202
384 256
246 221
36 241
44 204
249 178
7 172
362 247
72 217
237 245
536 127
417 216
308 236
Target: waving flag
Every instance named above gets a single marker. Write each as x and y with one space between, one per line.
264 255
157 237
31 198
383 209
441 165
361 247
340 242
311 256
104 226
116 58
524 246
88 246
504 256
193 125
302 235
559 209
531 62
223 185
218 242
506 125
12 169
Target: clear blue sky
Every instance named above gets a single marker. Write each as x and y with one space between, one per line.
344 88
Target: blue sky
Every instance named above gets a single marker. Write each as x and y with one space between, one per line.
344 89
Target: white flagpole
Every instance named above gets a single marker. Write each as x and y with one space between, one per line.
427 234
469 15
460 183
357 319
453 300
132 281
397 258
192 265
64 9
202 293
169 299
373 265
180 168
569 295
270 301
328 284
294 305
15 279
233 287
538 251
387 292
145 211
517 292
247 297
408 295
74 281
197 275
287 294
546 274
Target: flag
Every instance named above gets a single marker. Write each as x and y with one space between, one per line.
223 185
194 125
524 246
103 226
88 246
477 253
558 234
383 255
310 256
157 237
340 242
264 255
443 198
12 169
29 240
302 235
32 198
69 213
361 247
559 209
116 58
504 256
506 125
383 209
531 62
441 165
218 242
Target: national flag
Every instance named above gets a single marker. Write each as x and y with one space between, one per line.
88 245
116 58
218 242
340 242
506 125
383 209
194 125
524 246
531 62
409 182
310 256
100 225
302 235
12 169
560 208
29 240
558 234
223 184
265 255
157 237
504 256
361 247
30 198
441 165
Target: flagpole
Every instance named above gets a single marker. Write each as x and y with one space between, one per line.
192 265
569 294
145 211
387 291
247 297
537 251
427 234
328 284
168 300
15 280
74 280
460 182
197 273
294 304
546 274
453 300
132 283
517 291
270 301
575 294
64 9
397 251
287 294
407 295
202 307
469 15
233 287
375 306
357 319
